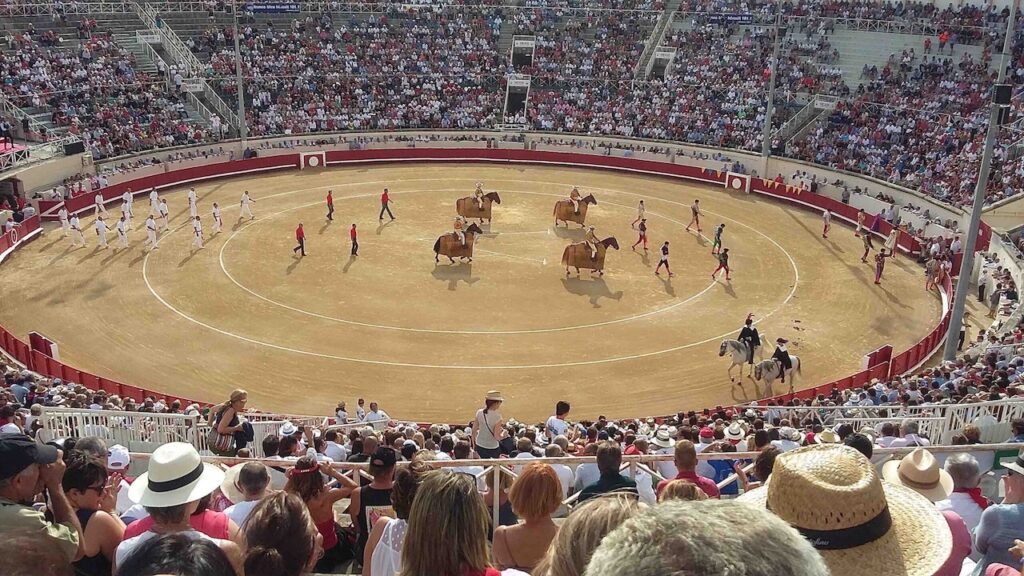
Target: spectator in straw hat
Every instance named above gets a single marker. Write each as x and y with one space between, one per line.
826 436
789 439
170 492
860 525
710 537
489 426
1002 523
665 444
920 472
735 433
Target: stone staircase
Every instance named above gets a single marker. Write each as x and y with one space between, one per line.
858 47
666 22
144 63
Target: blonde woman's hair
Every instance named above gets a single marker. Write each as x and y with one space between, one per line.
682 490
505 482
582 532
448 525
236 395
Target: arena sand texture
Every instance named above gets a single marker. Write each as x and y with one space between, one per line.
427 340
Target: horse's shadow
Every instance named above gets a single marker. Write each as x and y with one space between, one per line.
454 273
594 288
574 234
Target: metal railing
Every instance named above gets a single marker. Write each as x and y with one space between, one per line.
191 98
9 108
35 153
177 49
129 429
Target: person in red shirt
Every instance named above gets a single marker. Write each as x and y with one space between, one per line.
686 462
355 240
385 202
330 205
300 237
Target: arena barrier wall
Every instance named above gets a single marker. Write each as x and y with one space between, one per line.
878 367
25 232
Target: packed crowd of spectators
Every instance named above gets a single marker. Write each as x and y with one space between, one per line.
916 120
94 90
300 510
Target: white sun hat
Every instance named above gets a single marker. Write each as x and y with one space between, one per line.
176 476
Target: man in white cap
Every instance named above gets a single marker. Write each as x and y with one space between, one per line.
118 461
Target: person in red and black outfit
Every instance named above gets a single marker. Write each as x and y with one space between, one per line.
355 240
643 234
300 237
330 205
385 205
686 462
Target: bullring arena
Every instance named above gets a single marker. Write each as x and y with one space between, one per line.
430 339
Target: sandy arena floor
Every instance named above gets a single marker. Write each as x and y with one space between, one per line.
427 340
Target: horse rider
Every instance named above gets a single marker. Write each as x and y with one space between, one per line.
591 239
750 337
574 197
478 195
781 356
460 230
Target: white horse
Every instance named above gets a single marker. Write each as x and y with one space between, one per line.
769 370
738 351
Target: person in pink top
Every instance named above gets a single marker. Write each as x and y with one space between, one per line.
686 463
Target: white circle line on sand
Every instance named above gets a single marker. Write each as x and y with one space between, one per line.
471 367
224 269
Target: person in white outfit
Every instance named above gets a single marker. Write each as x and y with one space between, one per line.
62 215
122 232
164 213
126 214
383 552
966 499
154 202
193 203
76 231
151 233
101 231
217 222
100 208
197 230
129 199
244 203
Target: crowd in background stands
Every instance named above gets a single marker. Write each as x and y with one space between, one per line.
917 120
94 90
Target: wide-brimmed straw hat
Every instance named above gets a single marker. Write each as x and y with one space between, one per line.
663 439
176 476
735 432
920 472
827 436
861 525
495 396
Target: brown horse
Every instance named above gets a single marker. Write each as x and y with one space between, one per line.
450 246
468 208
580 255
565 213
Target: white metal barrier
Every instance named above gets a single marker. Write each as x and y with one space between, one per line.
130 429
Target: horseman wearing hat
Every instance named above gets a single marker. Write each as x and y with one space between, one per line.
574 197
478 195
781 356
460 229
750 337
591 239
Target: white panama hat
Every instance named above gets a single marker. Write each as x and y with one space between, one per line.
176 476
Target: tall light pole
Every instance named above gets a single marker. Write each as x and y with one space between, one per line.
963 283
766 137
243 129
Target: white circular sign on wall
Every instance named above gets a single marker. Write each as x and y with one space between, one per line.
313 161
